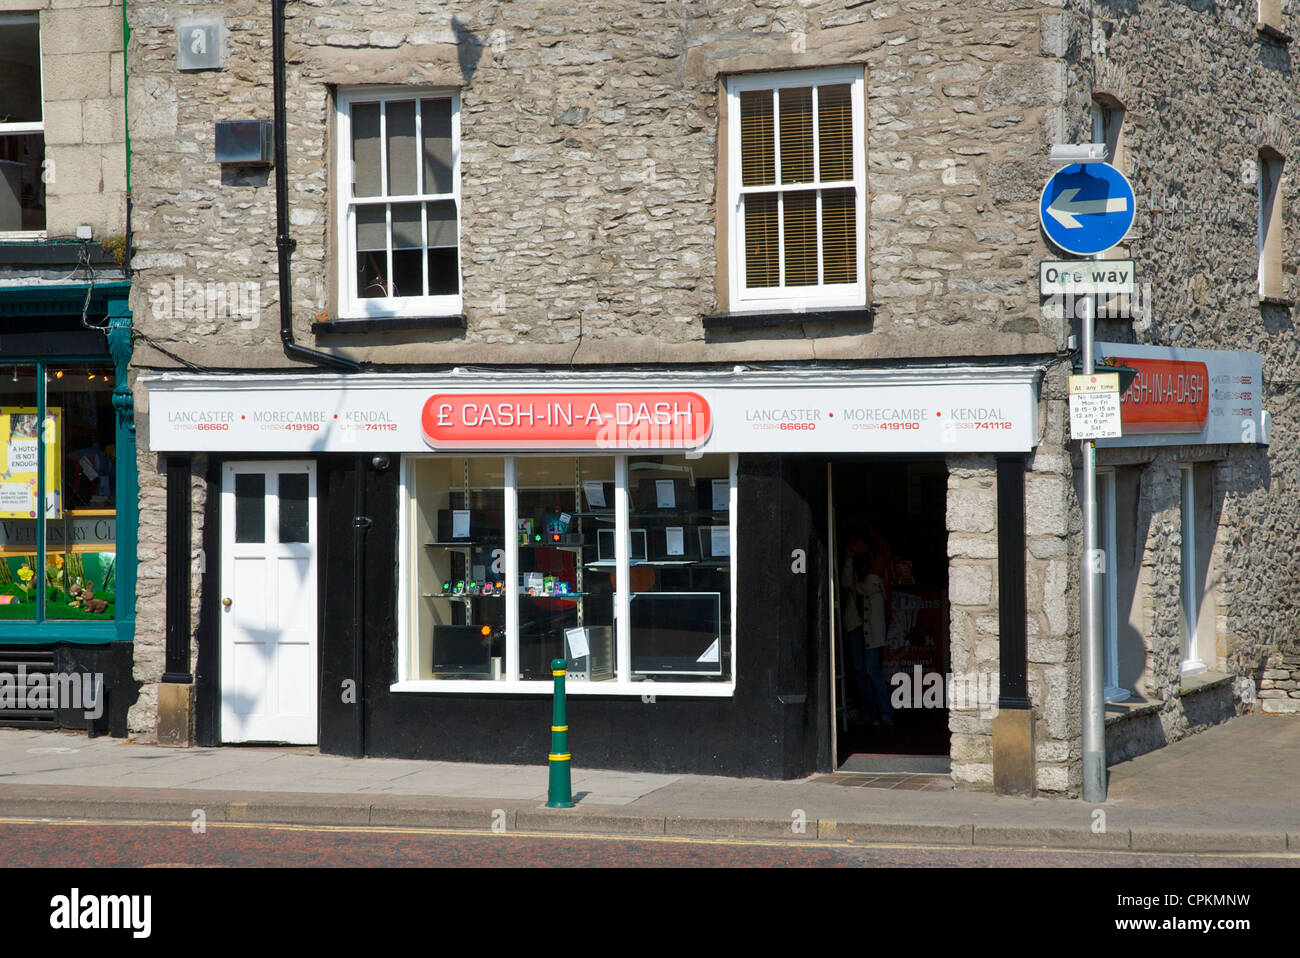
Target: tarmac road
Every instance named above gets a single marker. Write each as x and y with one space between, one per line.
37 843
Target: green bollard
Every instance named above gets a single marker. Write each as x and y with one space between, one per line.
560 792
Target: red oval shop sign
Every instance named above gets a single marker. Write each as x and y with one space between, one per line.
566 420
1167 395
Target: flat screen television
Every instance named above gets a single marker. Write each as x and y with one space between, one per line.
676 633
461 650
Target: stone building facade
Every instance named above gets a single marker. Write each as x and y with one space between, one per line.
595 203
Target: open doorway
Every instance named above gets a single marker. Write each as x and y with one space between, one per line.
891 602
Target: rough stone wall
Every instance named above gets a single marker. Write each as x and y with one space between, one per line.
1204 91
1052 532
84 110
151 579
590 139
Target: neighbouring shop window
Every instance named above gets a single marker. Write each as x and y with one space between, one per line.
797 190
400 209
1196 593
57 446
1271 231
22 126
513 562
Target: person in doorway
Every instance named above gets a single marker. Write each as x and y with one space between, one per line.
876 585
852 606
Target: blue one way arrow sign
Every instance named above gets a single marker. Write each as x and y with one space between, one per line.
1086 208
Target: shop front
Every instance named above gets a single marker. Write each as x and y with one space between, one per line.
67 508
398 557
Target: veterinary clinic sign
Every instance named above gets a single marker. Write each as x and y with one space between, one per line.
75 533
1186 396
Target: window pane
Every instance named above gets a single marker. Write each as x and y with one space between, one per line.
681 577
22 188
796 135
408 273
81 520
757 145
800 238
435 120
20 73
761 241
20 579
444 272
566 579
295 518
401 148
835 132
365 150
372 251
250 507
839 237
458 515
444 262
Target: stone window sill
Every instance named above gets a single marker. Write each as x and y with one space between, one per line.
1119 711
1191 684
855 316
388 325
1286 301
1274 32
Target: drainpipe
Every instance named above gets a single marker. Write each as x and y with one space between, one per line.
284 244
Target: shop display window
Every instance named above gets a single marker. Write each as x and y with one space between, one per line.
67 569
516 562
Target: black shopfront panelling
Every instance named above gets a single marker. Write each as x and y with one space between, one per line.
772 727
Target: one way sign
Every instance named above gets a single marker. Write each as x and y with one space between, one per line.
1086 208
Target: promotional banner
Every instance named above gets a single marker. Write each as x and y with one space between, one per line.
19 455
994 411
1185 396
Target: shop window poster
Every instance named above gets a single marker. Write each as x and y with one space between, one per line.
19 455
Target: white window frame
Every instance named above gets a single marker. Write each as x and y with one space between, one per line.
350 304
511 683
1189 597
11 129
1106 508
1271 231
804 297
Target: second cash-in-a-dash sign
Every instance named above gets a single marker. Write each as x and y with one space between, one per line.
1086 208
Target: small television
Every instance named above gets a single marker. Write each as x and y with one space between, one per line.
676 633
461 650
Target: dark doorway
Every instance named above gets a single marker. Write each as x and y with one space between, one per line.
891 525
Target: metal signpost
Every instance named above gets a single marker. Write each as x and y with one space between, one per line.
1086 208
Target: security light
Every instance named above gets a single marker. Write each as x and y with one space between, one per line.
1067 154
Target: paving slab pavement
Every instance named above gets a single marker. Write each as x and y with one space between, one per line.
1235 787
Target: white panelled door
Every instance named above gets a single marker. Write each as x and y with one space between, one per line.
268 602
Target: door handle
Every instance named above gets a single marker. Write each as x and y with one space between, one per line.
226 603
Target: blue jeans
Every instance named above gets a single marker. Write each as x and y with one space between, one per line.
869 678
879 707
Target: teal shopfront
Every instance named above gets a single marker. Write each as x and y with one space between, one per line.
68 507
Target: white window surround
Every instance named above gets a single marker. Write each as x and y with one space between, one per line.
1189 595
801 298
350 304
623 685
1106 507
1271 228
28 127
